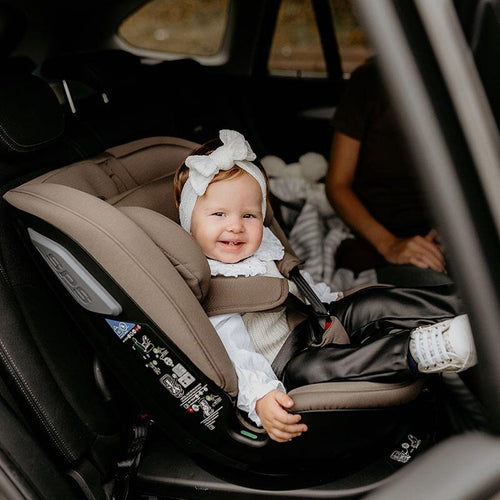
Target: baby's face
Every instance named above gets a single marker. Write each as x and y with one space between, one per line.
227 220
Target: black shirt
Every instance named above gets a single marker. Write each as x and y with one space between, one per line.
385 179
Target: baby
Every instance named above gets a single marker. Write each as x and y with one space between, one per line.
222 199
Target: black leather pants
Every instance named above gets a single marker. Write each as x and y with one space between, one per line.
378 322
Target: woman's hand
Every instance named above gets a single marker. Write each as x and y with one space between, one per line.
421 251
278 423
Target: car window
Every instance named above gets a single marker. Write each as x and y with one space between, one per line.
195 28
296 47
353 46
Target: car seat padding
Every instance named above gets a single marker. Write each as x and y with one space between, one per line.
177 245
343 395
136 263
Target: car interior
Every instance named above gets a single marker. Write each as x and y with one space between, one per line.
113 383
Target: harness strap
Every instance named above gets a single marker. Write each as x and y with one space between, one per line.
306 333
311 330
318 307
301 337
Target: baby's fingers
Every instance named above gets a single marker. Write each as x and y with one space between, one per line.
286 433
287 418
289 423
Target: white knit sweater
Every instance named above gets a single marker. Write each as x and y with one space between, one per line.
269 330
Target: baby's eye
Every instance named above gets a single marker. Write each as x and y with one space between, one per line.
249 216
218 214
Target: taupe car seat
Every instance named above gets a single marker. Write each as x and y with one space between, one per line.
107 231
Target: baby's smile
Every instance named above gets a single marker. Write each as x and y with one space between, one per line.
233 244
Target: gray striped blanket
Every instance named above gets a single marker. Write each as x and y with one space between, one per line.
315 231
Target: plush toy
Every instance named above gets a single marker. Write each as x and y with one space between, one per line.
311 166
314 166
299 182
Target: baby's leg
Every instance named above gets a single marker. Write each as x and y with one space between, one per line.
380 360
446 346
374 312
379 322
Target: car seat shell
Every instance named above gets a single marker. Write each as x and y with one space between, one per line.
97 210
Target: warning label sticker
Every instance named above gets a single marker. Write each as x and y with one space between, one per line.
121 328
193 396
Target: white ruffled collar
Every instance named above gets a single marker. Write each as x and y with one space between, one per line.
270 249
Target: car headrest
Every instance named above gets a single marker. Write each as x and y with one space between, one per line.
30 115
12 28
103 71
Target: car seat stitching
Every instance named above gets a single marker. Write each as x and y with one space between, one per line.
17 146
5 276
30 397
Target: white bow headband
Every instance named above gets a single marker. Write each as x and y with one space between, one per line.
203 168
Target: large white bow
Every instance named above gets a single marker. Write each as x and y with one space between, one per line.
203 168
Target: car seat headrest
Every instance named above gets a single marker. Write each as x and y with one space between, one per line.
103 71
30 115
12 28
177 245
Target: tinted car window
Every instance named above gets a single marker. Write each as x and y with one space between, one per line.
196 27
296 48
353 46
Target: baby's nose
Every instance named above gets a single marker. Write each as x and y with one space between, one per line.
235 225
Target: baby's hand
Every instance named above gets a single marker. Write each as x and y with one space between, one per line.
279 424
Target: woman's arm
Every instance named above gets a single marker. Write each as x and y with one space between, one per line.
418 250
